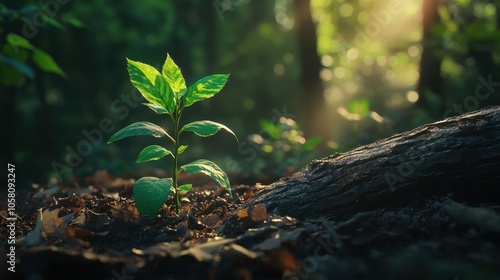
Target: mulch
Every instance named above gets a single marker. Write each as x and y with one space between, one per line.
90 229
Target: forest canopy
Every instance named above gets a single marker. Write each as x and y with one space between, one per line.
351 72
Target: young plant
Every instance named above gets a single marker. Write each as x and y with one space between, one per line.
167 94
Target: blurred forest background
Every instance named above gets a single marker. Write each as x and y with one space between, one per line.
343 72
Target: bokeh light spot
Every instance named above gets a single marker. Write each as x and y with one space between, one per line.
288 57
412 96
381 60
346 10
390 74
327 60
326 74
413 51
339 72
352 54
363 18
279 69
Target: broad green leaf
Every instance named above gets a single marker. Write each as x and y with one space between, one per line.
158 109
172 73
210 169
205 88
150 193
153 152
182 148
185 188
46 63
139 128
18 41
151 84
206 128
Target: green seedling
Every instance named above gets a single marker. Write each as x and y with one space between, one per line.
167 94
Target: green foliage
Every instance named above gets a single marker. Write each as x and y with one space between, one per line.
139 128
167 94
205 88
282 145
210 169
150 193
360 107
153 152
367 54
16 50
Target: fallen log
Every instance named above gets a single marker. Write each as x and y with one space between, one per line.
458 156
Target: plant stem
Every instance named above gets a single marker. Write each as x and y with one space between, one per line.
176 120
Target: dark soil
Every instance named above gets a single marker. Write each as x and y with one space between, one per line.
90 229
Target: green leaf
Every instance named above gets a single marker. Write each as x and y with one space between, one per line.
182 148
311 143
158 109
273 130
139 128
153 152
70 19
46 63
185 188
18 41
205 88
210 169
359 106
151 84
54 23
206 128
150 193
172 73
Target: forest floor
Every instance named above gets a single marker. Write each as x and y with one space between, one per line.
90 229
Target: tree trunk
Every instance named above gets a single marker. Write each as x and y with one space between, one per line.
459 156
314 111
430 82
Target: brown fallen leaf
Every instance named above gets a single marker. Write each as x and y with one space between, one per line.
206 251
87 235
53 225
209 220
242 214
259 213
79 220
247 194
125 211
280 260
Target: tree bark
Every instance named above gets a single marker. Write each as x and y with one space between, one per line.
430 65
316 119
458 156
